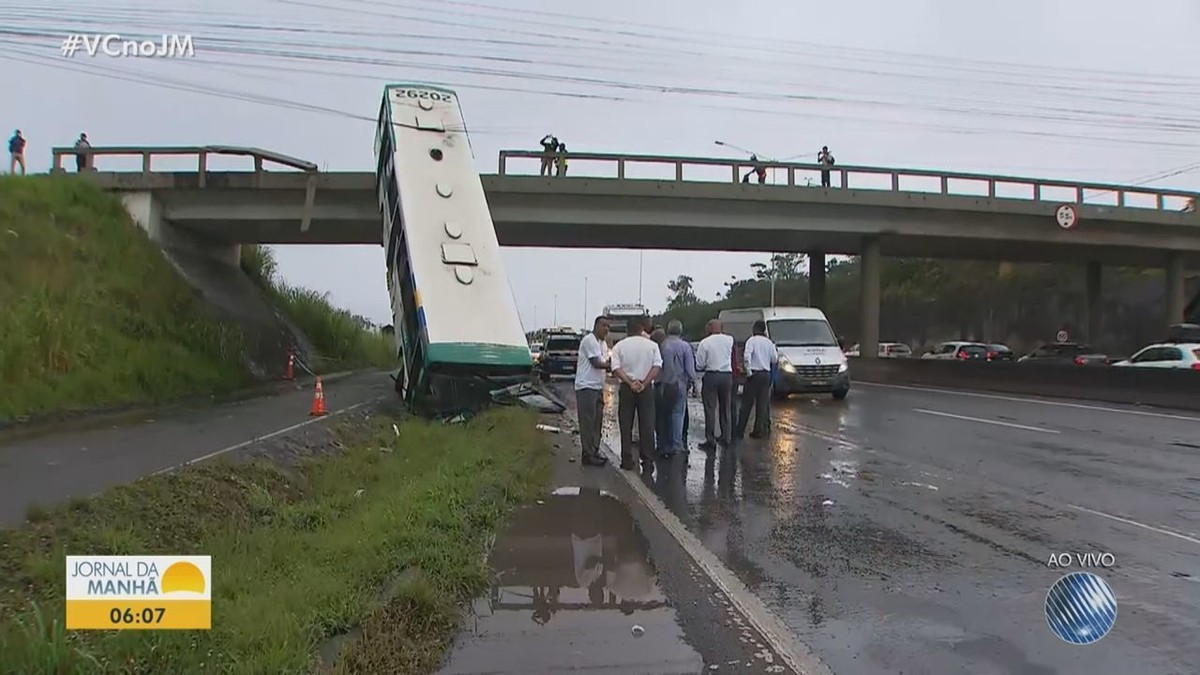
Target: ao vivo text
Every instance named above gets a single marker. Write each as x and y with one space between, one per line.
1085 560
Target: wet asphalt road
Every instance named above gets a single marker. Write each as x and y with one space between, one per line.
932 555
52 468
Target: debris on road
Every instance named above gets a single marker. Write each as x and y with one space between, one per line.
638 631
827 502
547 427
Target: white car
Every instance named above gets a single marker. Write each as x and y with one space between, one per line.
887 350
1184 355
958 350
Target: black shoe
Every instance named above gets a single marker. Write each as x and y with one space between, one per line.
629 466
594 460
708 447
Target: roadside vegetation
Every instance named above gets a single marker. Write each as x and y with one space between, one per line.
342 339
926 301
386 536
91 314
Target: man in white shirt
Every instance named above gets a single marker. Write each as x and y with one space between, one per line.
636 361
760 356
590 370
714 358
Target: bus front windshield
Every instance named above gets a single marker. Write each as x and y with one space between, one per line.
801 333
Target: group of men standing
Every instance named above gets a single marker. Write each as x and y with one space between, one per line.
656 373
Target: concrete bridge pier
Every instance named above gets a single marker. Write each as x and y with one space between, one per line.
816 279
1093 307
147 211
868 342
1174 290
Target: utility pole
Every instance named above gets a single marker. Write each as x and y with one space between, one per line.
555 323
641 269
585 312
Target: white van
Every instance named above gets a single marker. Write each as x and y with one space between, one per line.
810 358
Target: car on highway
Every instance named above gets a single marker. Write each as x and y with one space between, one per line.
999 352
535 351
1182 356
887 350
1065 353
560 354
957 350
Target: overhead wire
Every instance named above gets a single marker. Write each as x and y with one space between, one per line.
541 61
232 47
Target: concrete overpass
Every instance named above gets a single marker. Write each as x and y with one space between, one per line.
695 204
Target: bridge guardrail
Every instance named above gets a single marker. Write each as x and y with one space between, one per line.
147 153
1132 386
949 180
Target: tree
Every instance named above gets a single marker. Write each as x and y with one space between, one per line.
682 292
783 266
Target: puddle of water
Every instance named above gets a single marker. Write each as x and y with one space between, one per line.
573 578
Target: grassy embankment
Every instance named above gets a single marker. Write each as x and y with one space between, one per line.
90 313
298 555
94 316
336 334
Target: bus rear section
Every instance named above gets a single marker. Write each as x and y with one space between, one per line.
458 333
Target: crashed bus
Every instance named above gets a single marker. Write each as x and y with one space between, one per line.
458 334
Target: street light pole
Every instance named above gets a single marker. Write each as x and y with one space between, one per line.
555 323
585 307
641 270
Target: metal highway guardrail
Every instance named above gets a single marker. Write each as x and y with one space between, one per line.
950 182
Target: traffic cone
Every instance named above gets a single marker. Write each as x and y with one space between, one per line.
289 373
318 406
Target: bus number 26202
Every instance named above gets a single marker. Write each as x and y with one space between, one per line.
422 93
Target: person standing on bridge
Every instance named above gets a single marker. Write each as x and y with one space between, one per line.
591 369
560 160
549 145
714 358
82 148
636 361
760 358
759 169
825 159
16 151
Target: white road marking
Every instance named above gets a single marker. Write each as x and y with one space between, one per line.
1135 523
1037 401
264 437
776 633
981 420
1160 530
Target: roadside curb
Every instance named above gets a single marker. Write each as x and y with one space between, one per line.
81 420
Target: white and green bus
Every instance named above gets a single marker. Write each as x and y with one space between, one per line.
458 333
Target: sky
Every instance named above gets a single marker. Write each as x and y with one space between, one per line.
1097 90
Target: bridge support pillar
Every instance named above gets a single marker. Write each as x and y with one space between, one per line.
816 279
1092 305
145 210
1174 294
868 341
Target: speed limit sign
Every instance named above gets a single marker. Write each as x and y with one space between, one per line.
1066 216
1062 336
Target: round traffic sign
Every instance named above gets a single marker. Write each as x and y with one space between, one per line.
1066 216
1062 336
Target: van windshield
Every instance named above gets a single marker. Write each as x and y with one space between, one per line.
801 333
